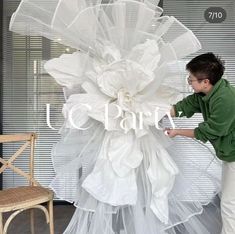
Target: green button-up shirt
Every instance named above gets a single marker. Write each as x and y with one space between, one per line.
218 110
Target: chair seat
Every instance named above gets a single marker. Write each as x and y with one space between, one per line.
23 197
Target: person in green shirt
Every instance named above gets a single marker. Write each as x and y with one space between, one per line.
214 97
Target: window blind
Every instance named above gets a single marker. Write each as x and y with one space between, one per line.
26 91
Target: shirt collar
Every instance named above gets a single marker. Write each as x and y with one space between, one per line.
213 90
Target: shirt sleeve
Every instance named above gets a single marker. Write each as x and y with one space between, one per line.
187 107
218 124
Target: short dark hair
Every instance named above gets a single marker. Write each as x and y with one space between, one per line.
206 66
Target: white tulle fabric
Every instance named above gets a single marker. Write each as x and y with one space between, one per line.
120 171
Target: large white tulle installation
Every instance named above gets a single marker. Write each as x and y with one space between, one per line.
114 161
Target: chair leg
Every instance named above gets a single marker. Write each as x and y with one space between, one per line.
32 221
1 223
51 219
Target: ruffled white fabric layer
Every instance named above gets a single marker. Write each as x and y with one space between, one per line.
155 209
122 82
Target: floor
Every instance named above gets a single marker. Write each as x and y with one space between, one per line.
62 215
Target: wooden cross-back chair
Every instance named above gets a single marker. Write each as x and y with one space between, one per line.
23 198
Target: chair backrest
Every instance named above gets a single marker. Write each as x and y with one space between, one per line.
29 141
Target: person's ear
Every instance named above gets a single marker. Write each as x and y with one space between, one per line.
206 81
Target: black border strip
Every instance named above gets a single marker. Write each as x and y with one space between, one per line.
1 78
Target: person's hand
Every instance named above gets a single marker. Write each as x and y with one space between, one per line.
171 132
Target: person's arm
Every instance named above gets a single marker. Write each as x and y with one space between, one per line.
186 107
219 123
180 132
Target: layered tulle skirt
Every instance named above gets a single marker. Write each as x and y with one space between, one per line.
188 205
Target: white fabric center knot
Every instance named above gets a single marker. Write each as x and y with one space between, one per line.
124 99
